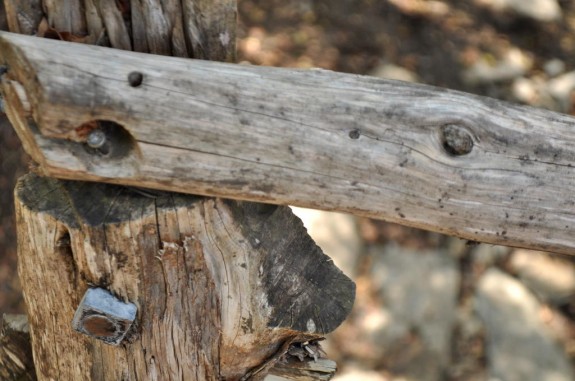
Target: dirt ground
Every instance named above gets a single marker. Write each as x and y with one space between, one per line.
460 44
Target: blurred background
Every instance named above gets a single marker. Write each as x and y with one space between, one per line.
429 307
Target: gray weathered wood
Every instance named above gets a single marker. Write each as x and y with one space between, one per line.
222 287
417 155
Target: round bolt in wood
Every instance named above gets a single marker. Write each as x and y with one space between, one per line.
103 316
456 140
96 139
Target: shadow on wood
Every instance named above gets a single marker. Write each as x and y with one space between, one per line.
222 287
16 362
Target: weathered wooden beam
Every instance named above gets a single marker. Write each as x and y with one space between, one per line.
223 288
421 156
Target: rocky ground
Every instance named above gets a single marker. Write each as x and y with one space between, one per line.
429 307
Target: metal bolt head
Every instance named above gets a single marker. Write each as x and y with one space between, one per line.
96 139
103 316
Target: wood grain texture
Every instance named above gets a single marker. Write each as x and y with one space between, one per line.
310 138
16 362
203 29
23 16
295 370
222 287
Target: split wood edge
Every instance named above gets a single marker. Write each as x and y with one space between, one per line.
16 362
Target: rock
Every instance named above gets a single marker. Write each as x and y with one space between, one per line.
357 375
539 10
487 255
519 347
513 64
525 90
549 277
390 71
535 91
554 67
337 234
561 88
419 292
427 8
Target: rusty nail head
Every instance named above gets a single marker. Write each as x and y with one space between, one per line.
103 316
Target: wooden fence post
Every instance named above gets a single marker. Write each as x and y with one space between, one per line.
222 288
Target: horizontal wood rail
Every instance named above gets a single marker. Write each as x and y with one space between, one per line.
417 155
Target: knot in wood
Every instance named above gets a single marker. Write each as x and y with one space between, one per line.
456 140
354 134
135 78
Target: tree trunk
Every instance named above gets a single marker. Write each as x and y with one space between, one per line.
223 289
